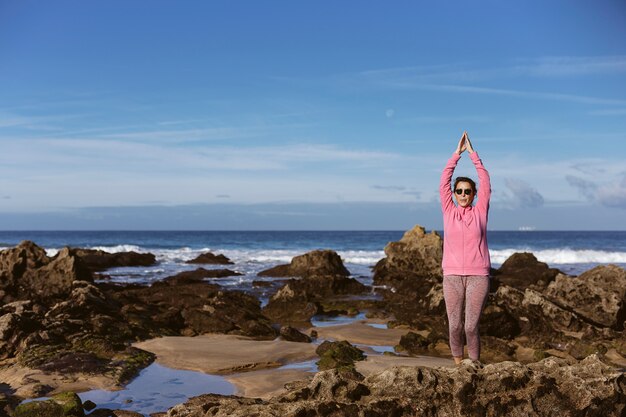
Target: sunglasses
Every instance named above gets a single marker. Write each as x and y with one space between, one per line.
460 191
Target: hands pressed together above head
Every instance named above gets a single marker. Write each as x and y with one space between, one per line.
464 144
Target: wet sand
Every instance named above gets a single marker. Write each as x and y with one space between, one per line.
27 382
252 365
225 354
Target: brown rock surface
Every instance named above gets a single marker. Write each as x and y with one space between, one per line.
597 295
26 272
314 263
547 388
98 260
299 299
210 258
522 270
416 254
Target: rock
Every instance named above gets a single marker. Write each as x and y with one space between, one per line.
314 263
338 355
522 270
291 334
71 403
498 322
494 350
417 254
413 344
417 302
299 299
89 405
27 273
191 309
99 260
548 388
46 408
199 274
66 404
8 402
597 295
535 314
210 258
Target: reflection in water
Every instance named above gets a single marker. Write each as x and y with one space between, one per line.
158 388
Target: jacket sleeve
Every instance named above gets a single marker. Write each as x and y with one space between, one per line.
445 192
484 183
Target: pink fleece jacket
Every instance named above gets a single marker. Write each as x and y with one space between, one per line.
465 250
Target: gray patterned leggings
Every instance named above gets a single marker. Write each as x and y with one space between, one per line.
469 293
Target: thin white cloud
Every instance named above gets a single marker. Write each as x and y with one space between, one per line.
568 66
458 77
608 112
555 66
513 93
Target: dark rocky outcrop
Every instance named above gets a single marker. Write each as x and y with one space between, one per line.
210 258
314 263
323 277
26 272
551 387
198 275
292 334
522 270
299 299
341 355
417 255
190 309
412 273
413 343
66 404
99 260
597 295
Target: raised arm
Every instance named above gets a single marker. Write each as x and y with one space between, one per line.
445 191
484 182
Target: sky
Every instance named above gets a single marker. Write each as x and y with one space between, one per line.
325 115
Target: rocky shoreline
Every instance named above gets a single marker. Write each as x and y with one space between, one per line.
545 334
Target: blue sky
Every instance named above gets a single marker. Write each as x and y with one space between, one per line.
308 115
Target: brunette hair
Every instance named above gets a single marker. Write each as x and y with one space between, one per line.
465 179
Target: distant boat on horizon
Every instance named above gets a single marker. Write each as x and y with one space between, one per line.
526 228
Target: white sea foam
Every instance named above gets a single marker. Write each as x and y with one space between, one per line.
362 257
110 249
563 256
557 256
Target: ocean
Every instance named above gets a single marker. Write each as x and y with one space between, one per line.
573 252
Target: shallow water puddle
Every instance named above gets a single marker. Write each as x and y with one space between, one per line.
158 388
325 321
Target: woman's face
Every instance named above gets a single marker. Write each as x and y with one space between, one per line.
464 194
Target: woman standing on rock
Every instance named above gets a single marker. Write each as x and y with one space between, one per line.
466 262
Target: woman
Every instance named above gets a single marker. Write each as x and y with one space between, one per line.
466 262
